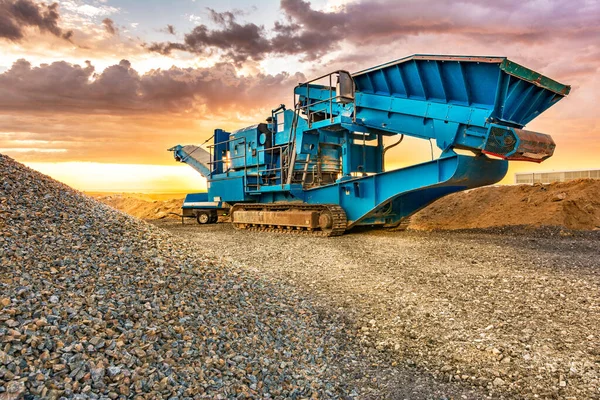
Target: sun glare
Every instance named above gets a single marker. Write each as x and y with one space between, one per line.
98 177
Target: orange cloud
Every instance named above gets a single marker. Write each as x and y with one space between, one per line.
121 90
63 112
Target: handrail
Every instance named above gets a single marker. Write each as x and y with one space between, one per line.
242 142
284 173
330 100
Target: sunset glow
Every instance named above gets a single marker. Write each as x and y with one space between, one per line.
94 95
134 178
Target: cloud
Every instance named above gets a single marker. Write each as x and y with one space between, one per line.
101 115
367 20
239 42
120 89
73 112
109 26
38 30
16 16
88 10
313 33
194 18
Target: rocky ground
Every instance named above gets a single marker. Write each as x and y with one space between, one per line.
510 312
97 304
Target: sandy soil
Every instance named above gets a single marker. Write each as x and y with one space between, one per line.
573 205
144 206
141 196
513 315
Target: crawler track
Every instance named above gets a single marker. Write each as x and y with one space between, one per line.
337 214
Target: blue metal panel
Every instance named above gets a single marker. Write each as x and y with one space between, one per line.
194 201
278 188
360 197
220 139
482 80
196 197
454 83
470 81
365 158
228 188
457 80
390 108
522 101
237 146
283 137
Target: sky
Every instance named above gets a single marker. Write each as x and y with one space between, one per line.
93 92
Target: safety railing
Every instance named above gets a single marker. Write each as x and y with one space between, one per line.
342 92
228 157
283 173
278 172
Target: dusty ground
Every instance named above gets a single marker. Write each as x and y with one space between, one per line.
514 315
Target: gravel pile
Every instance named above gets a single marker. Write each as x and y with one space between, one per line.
97 304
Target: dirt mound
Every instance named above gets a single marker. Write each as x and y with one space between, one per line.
573 205
143 209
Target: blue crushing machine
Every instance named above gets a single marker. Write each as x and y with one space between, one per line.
319 168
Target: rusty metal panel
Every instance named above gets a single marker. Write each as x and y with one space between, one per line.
518 144
526 74
304 219
533 146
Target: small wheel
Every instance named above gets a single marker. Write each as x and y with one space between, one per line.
203 218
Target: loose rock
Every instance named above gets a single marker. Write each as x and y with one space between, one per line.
104 304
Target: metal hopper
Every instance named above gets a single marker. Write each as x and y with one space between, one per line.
487 99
